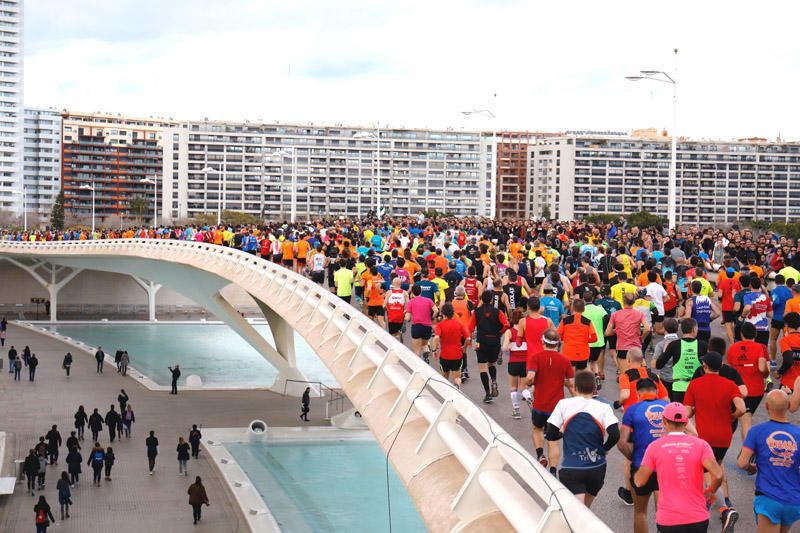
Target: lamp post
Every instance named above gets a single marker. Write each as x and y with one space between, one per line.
87 187
279 155
672 187
206 171
154 182
24 207
368 135
488 114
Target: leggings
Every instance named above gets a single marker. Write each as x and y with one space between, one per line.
98 472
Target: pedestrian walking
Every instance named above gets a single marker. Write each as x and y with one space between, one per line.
108 461
128 418
122 398
99 356
74 461
96 459
124 362
43 515
64 495
111 420
3 328
118 360
176 373
53 438
31 469
33 362
12 354
17 368
26 355
151 443
81 418
194 441
183 456
42 469
72 442
304 404
67 364
197 498
95 424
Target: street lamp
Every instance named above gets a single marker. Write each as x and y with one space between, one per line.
154 182
488 114
87 187
279 155
663 77
368 135
23 193
220 193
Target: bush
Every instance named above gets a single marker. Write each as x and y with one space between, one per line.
643 219
231 218
601 218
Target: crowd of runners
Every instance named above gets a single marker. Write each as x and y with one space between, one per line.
551 302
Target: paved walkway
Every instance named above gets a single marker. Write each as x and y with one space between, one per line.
134 500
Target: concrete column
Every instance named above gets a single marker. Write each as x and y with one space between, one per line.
151 288
53 286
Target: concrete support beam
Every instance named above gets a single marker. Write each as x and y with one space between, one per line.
54 285
151 288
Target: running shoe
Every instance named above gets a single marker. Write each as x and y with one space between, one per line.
495 392
500 359
625 495
598 382
768 385
464 376
515 414
488 399
426 356
728 517
543 461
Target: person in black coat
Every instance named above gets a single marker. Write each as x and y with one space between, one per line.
112 419
99 356
194 440
33 362
74 460
31 469
43 515
72 442
151 443
67 364
95 424
109 462
53 438
81 418
183 456
176 373
304 405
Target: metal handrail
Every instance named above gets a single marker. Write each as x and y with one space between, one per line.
335 396
488 454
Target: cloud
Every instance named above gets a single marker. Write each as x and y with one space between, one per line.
553 66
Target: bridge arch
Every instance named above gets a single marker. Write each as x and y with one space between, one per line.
463 471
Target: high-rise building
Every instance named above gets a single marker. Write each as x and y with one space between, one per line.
41 166
717 181
11 62
332 169
512 180
111 154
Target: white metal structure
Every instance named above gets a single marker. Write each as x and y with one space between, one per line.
463 471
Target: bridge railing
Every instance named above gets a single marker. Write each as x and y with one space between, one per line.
500 476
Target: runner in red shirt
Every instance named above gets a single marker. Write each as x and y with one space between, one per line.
450 336
395 304
749 358
548 373
709 399
533 327
726 288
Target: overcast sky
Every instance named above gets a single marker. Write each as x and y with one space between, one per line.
553 65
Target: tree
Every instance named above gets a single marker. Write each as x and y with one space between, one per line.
546 212
231 218
139 206
57 213
644 219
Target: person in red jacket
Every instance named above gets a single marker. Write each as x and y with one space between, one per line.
450 335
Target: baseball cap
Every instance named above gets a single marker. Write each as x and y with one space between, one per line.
713 360
675 412
730 271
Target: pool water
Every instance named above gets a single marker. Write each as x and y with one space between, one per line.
214 352
327 486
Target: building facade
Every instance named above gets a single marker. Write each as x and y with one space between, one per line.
717 181
11 110
512 183
334 170
109 155
41 165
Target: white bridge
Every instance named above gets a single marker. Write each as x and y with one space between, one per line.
463 471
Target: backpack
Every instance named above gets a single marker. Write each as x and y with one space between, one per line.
41 517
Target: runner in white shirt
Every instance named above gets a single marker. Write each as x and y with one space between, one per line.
657 293
318 264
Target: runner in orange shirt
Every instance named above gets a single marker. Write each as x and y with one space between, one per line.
302 254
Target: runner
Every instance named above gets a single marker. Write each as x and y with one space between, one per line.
599 319
318 265
789 370
770 451
548 373
710 398
577 332
395 305
749 358
463 309
726 288
490 324
611 306
517 361
373 294
670 334
681 461
702 310
641 424
757 310
420 312
684 355
630 327
450 336
780 296
583 423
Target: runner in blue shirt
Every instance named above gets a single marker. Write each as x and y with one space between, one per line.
552 307
771 451
385 270
641 424
780 295
428 289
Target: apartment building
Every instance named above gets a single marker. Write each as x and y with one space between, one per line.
717 181
336 170
41 165
512 180
109 155
11 64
